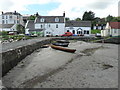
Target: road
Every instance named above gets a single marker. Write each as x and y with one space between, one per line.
93 65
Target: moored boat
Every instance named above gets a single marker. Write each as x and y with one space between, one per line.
44 46
61 44
63 49
63 41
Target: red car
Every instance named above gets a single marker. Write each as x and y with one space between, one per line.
67 34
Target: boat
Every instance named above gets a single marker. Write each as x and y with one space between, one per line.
44 46
62 41
63 49
61 44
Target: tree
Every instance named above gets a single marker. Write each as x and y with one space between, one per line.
3 33
88 16
31 17
67 19
77 19
20 28
109 18
116 19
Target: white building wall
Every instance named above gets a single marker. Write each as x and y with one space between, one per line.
5 29
27 31
11 19
115 32
51 27
78 29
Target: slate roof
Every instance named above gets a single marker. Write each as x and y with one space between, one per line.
50 19
11 13
115 25
78 24
31 26
6 25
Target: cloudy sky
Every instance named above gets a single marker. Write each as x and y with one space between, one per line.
73 8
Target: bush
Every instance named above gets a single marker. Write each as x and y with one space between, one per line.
3 33
95 31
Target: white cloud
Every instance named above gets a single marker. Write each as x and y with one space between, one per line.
73 8
76 8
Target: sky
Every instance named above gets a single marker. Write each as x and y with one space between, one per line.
72 8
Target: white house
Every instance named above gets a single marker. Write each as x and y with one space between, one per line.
78 27
49 25
9 20
111 29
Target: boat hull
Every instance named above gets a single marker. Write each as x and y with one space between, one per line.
61 44
63 49
63 41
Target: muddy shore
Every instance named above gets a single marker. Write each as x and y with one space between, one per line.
93 65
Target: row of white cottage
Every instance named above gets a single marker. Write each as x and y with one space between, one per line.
56 25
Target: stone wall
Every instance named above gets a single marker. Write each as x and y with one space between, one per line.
12 57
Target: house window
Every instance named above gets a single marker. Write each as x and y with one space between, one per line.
6 17
10 16
6 22
14 21
42 20
41 26
67 30
2 17
57 19
78 32
73 31
115 31
3 21
17 21
56 25
87 32
17 17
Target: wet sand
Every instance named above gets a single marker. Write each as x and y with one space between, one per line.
93 65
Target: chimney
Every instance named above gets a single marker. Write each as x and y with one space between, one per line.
64 14
15 12
37 14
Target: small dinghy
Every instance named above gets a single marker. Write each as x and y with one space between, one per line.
61 44
44 46
63 41
63 49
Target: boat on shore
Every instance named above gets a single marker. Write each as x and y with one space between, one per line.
63 49
61 44
62 41
44 46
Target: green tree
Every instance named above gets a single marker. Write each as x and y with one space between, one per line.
77 19
116 19
67 19
20 28
31 17
88 16
3 33
109 18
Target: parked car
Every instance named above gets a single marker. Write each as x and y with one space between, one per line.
98 35
67 34
33 35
